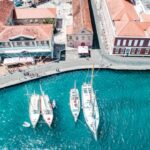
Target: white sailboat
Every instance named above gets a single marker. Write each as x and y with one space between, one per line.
75 102
90 107
34 109
46 108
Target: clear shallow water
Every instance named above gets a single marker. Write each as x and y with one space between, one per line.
124 105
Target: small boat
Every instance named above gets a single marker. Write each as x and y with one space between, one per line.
54 104
90 107
46 109
75 102
26 124
34 109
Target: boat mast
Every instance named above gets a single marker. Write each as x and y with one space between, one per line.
42 92
93 105
92 76
75 84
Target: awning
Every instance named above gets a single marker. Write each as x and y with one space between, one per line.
18 60
83 50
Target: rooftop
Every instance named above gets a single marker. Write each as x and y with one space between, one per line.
40 32
81 16
126 20
30 13
6 7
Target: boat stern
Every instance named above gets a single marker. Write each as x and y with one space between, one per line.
95 135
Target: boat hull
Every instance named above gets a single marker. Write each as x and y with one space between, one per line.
34 109
90 108
46 110
75 103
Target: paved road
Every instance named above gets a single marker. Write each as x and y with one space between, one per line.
48 69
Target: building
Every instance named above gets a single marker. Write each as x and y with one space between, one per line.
6 12
80 33
126 27
29 40
26 32
34 16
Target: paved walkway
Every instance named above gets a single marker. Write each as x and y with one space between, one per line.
72 62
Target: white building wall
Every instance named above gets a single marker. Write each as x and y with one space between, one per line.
80 39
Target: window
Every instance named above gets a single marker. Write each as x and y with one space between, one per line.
124 42
133 51
118 42
77 38
22 38
117 50
9 44
130 43
33 43
19 43
149 43
141 43
70 37
26 43
138 52
89 37
42 42
14 43
1 44
82 37
122 50
135 42
146 51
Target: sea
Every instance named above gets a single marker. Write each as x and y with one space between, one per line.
124 104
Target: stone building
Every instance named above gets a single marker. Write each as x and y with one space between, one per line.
26 32
126 27
80 33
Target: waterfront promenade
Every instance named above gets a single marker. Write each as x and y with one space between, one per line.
73 62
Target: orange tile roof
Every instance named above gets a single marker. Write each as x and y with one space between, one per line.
29 13
130 28
81 16
145 17
120 8
148 31
126 20
40 32
1 27
6 7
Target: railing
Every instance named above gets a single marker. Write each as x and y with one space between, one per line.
24 47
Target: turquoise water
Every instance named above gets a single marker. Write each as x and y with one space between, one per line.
124 105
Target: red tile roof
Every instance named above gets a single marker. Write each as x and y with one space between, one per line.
148 31
29 13
130 28
40 32
6 8
81 16
126 20
145 17
120 8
